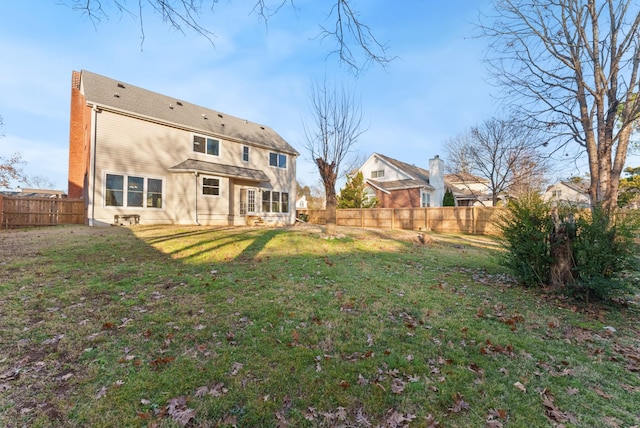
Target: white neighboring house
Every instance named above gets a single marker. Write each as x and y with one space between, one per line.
470 190
301 203
568 192
398 184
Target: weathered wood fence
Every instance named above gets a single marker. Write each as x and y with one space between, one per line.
473 220
25 212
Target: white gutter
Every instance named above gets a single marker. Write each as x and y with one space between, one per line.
195 174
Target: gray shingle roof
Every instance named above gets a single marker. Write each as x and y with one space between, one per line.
110 93
420 175
192 165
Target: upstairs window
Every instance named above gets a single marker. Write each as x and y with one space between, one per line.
277 160
207 145
377 174
245 153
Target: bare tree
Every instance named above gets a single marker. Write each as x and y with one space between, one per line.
356 44
11 170
335 131
573 66
502 151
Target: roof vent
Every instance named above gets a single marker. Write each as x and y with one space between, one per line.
179 103
204 116
120 85
219 115
171 106
262 127
116 95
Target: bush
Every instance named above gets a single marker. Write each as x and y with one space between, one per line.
605 256
603 253
526 230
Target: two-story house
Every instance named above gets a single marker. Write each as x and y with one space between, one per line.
139 153
398 184
569 192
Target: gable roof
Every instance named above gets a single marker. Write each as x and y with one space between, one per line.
107 93
577 187
419 176
464 177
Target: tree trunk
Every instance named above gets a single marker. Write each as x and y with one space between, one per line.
562 263
329 177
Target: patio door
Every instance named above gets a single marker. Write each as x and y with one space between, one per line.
247 201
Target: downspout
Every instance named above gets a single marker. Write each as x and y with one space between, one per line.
92 177
196 199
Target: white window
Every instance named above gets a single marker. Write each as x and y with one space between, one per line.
275 202
377 174
425 200
211 186
140 192
277 160
207 145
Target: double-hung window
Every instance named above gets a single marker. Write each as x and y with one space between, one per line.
245 153
132 191
275 202
207 145
425 200
211 186
277 160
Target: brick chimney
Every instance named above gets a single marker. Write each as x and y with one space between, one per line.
79 139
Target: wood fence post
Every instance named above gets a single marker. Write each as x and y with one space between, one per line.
474 216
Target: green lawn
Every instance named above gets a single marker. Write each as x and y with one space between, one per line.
259 327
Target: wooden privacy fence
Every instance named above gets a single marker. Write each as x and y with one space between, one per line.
473 220
24 212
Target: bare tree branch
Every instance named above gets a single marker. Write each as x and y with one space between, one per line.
505 152
356 45
331 138
572 65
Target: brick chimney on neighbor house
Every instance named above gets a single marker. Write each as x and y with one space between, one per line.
436 179
79 140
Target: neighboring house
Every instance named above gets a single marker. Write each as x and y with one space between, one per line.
137 152
34 193
398 184
569 192
301 203
469 190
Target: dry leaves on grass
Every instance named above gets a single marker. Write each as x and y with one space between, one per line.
552 412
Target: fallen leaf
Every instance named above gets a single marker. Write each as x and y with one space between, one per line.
101 393
458 404
601 393
179 412
572 391
520 387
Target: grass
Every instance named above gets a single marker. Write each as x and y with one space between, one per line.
257 327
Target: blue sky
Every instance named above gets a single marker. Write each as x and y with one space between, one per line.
434 90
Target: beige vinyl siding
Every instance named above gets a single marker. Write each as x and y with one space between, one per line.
134 147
